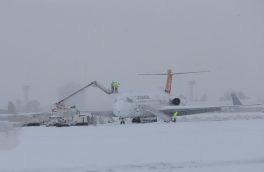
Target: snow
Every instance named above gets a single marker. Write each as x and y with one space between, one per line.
232 142
8 135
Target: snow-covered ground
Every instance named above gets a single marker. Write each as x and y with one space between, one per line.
227 142
8 135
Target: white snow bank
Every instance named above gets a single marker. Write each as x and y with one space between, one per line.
234 145
8 136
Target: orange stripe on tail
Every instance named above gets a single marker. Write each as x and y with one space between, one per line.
169 81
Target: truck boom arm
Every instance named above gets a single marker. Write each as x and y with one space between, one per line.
112 90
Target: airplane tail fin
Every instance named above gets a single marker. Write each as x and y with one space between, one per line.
169 81
236 100
170 75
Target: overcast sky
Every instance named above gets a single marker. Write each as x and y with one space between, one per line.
49 43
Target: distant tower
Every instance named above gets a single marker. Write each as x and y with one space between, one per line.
191 86
26 89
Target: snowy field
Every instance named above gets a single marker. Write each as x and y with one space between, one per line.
224 142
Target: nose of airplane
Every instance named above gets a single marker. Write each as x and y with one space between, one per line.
116 109
123 108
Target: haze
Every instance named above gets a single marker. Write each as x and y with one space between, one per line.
48 44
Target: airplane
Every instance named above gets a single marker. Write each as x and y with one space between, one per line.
162 105
132 105
238 106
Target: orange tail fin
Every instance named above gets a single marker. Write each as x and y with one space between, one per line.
169 81
169 77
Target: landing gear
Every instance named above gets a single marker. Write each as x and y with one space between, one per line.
122 120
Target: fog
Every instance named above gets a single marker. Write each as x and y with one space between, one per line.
9 136
49 44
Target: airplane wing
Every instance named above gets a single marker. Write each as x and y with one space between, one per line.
165 112
189 110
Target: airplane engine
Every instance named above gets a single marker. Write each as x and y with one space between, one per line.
176 101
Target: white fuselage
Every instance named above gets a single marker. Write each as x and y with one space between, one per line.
130 105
